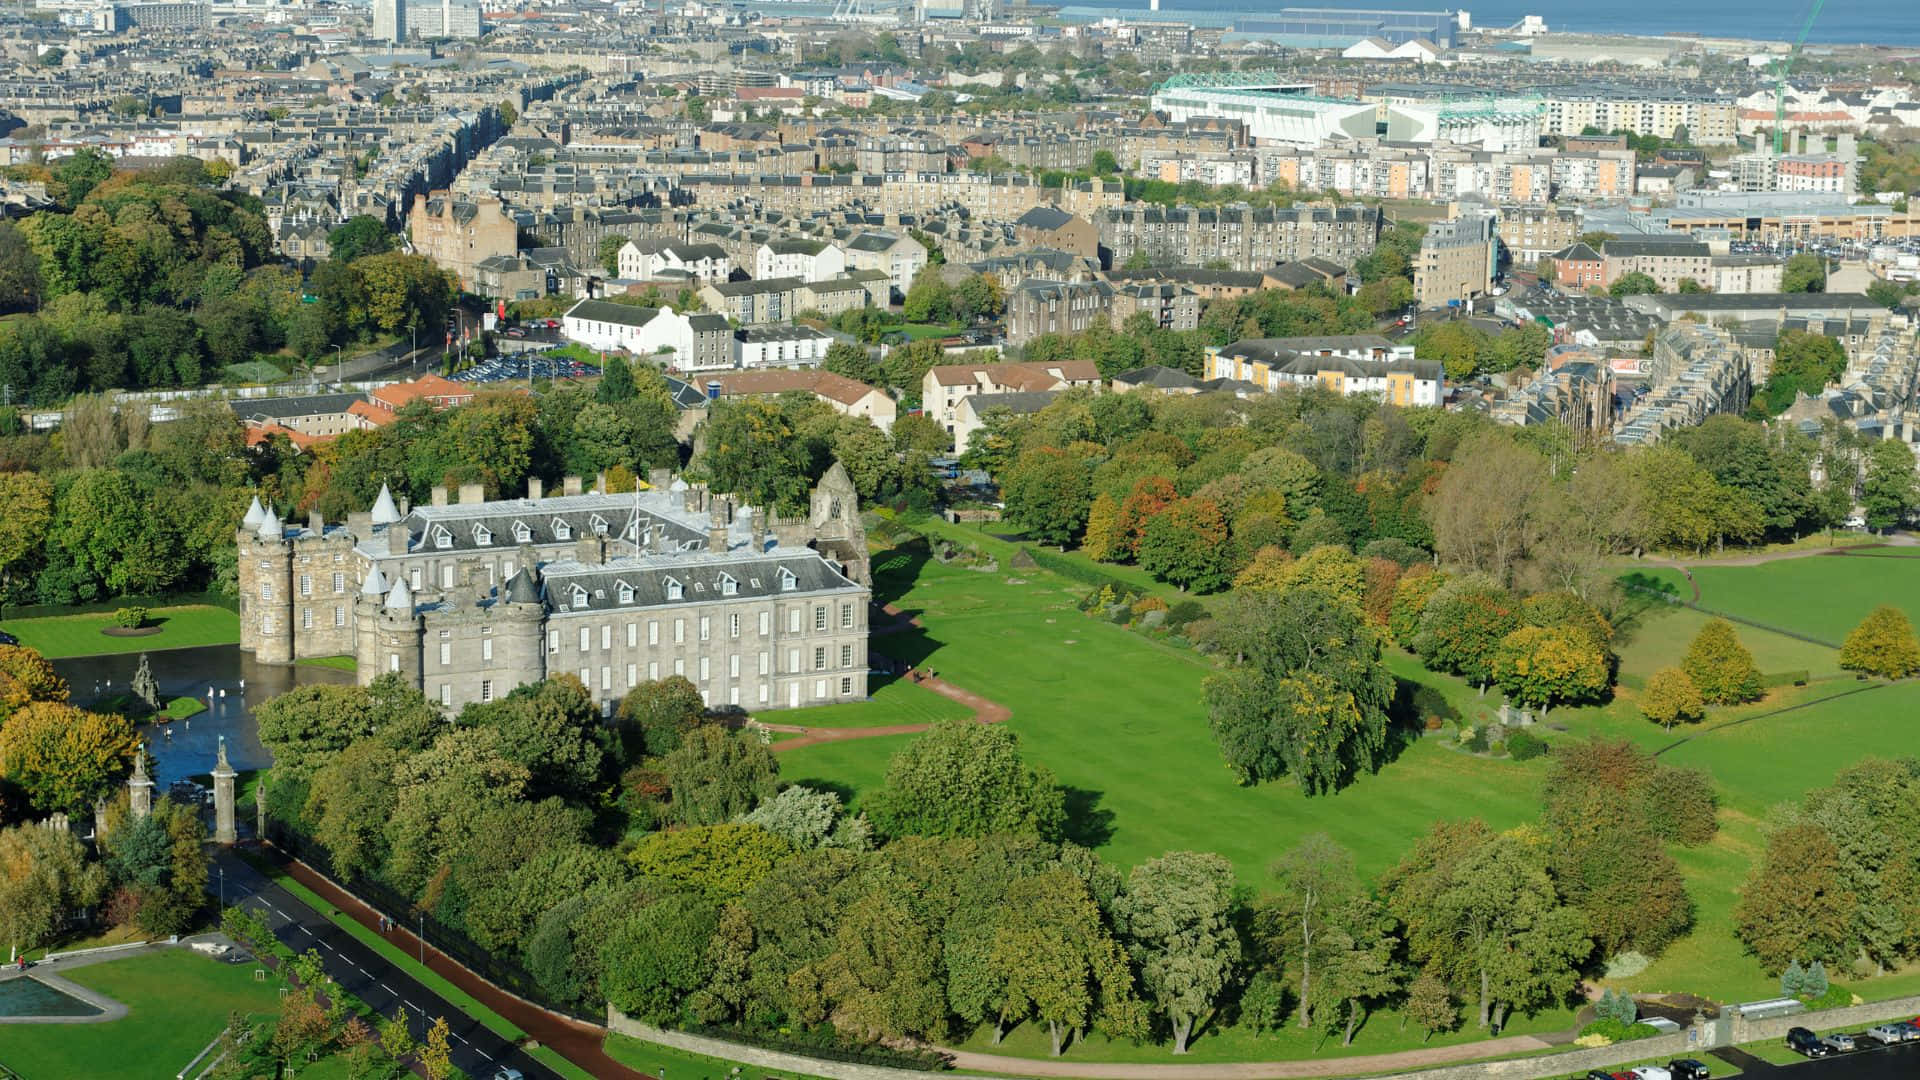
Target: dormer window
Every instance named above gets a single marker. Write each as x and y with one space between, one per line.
626 593
788 582
728 586
522 533
579 596
674 591
442 538
562 530
599 525
482 535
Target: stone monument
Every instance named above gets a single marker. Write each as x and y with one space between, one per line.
223 775
140 786
144 687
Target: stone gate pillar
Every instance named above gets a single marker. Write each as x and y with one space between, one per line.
140 786
223 775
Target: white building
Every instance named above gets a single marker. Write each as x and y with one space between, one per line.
645 260
643 331
780 347
896 255
808 260
1355 364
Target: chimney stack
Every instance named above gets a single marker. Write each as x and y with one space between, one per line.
397 539
406 505
759 531
717 529
439 494
536 488
569 485
591 550
316 524
471 494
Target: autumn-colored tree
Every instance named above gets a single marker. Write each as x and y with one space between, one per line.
26 509
1882 645
1186 545
1546 666
1671 698
1463 626
1720 666
1796 905
1101 541
436 1057
1150 495
1049 494
26 676
64 757
1561 607
1430 1005
1410 596
1382 583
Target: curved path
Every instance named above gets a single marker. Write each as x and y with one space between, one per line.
985 711
1423 1058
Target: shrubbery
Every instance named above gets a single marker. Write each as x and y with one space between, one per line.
1524 746
130 618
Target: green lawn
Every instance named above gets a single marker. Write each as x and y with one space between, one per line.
58 636
182 708
177 1000
894 701
916 331
337 663
1820 595
1118 718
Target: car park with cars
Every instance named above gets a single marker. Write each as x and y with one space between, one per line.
1688 1069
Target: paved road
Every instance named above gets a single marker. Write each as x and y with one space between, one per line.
362 972
1883 1063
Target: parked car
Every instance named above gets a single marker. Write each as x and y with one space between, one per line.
1887 1034
1840 1042
1909 1031
8 639
1651 1072
1803 1041
1688 1069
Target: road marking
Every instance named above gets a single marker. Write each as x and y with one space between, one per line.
384 986
361 970
455 1038
282 914
414 1007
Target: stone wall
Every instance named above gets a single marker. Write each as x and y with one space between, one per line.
1743 1030
1572 1063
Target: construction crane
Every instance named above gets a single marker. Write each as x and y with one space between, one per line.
1781 67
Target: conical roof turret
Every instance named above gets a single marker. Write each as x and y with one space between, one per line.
400 599
254 515
384 510
375 585
270 525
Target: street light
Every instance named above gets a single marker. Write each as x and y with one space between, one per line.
423 937
337 363
223 886
413 354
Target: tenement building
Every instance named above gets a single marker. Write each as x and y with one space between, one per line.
468 599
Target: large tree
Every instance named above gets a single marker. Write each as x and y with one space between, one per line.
1671 698
1177 919
1048 493
1720 666
967 779
657 957
1360 970
1889 491
655 716
1481 910
1185 544
1315 878
717 775
1541 667
65 758
1882 645
1308 696
1463 626
1484 511
1796 905
1062 967
45 878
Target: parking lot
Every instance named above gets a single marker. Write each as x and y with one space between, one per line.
526 365
1875 1063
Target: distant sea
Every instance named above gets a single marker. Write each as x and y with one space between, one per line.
1849 22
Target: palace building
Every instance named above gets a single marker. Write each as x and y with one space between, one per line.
471 598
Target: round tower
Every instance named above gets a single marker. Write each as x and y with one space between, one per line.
366 625
519 625
396 636
269 613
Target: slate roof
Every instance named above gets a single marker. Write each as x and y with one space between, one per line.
282 408
607 311
492 525
1045 218
572 588
1159 376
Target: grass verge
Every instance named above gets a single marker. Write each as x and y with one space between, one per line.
337 663
59 636
666 1061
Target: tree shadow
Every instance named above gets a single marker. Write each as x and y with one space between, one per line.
897 568
845 791
1088 825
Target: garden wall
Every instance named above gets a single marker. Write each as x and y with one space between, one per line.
1572 1062
1744 1030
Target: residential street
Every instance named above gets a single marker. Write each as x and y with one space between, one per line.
477 1051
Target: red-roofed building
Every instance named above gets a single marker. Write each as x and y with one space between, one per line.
443 393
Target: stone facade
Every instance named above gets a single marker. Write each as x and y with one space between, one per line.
470 599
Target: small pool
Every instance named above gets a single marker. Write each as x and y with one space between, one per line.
31 997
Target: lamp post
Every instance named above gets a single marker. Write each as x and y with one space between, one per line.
338 361
423 937
413 354
223 886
